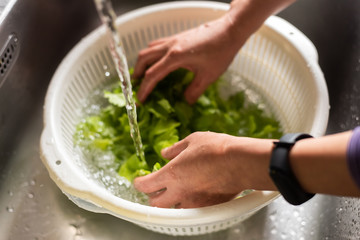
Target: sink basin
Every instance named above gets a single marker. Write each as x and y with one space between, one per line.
32 207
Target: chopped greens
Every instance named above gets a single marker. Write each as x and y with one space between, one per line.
166 118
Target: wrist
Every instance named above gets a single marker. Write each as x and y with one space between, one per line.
252 157
246 16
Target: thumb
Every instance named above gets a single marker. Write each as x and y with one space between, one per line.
150 183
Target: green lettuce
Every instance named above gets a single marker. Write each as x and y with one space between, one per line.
165 118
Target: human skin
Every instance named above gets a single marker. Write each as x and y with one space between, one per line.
208 168
205 169
206 50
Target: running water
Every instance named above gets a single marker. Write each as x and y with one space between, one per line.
108 17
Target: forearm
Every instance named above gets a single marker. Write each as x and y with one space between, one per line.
246 16
320 165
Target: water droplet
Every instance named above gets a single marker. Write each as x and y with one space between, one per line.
76 229
272 217
30 195
107 73
293 234
10 209
296 213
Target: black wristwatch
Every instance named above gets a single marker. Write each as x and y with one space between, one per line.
281 172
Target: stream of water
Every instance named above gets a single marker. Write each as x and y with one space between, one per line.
108 17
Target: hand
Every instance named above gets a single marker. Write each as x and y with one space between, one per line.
206 51
206 169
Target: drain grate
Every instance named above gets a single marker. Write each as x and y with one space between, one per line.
8 55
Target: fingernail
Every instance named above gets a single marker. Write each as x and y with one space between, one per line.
164 150
157 192
190 100
189 97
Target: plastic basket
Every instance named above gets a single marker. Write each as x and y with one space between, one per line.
278 62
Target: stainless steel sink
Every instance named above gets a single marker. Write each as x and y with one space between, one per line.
41 33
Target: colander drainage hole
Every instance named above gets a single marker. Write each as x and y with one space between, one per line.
58 162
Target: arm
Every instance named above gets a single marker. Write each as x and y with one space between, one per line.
206 50
321 165
209 168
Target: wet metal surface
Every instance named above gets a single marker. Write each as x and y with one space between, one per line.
32 207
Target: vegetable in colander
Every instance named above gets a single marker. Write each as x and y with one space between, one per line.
165 118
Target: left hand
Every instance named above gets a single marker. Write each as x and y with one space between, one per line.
205 169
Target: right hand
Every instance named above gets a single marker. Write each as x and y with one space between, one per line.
206 51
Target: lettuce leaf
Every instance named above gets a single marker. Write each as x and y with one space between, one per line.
165 118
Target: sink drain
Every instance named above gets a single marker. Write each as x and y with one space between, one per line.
8 55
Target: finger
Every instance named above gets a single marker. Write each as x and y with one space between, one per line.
146 57
153 194
151 183
166 199
173 151
154 74
196 88
158 41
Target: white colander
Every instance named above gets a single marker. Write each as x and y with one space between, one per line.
278 62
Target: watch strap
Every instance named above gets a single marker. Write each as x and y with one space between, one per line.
281 172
